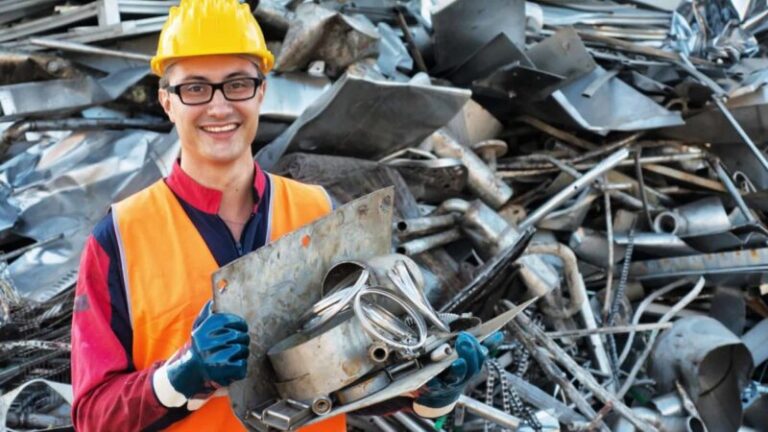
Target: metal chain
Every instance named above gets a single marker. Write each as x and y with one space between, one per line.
490 384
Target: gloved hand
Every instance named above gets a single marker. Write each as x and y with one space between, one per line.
215 356
438 397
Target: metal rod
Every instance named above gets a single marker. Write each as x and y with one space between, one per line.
415 247
383 425
717 97
557 133
408 422
609 235
88 49
732 190
553 372
523 324
22 250
685 177
543 167
650 345
608 330
641 184
417 58
489 413
742 134
585 180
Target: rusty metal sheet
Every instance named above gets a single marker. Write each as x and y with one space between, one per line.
272 286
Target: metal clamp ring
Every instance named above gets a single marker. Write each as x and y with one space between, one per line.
373 331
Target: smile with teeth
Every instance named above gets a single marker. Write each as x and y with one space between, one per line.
222 128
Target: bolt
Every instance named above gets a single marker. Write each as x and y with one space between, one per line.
490 150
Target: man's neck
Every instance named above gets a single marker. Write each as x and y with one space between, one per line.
235 181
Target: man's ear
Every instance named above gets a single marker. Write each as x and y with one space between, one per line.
165 101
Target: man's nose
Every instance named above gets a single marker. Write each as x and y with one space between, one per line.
219 105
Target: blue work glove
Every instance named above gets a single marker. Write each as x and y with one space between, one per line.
215 356
438 397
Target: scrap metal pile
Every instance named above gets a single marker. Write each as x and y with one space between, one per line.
604 156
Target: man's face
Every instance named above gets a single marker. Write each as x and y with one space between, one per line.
220 131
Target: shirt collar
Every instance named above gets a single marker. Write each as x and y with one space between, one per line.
204 198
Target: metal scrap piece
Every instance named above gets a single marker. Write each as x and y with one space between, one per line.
51 97
462 27
65 187
713 365
317 33
365 118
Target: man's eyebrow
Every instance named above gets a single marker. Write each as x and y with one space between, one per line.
205 79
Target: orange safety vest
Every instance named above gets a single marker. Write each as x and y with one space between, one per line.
167 269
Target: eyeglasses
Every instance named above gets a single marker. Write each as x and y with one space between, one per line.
199 93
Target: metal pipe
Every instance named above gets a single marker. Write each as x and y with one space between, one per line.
585 180
669 404
575 282
489 413
417 246
423 225
88 49
480 179
578 302
454 205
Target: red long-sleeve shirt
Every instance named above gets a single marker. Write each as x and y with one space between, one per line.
110 394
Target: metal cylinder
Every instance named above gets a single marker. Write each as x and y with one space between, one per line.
415 247
311 365
481 181
322 405
702 217
489 413
378 352
424 225
693 352
667 222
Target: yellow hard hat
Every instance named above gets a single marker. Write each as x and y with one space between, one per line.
206 27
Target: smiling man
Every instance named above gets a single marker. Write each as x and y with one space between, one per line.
147 352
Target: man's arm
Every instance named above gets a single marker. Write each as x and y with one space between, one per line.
109 393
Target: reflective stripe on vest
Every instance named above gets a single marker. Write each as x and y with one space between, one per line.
167 270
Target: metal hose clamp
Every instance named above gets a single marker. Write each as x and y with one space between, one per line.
374 331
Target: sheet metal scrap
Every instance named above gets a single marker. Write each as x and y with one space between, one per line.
633 168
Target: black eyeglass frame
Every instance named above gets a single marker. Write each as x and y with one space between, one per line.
176 89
